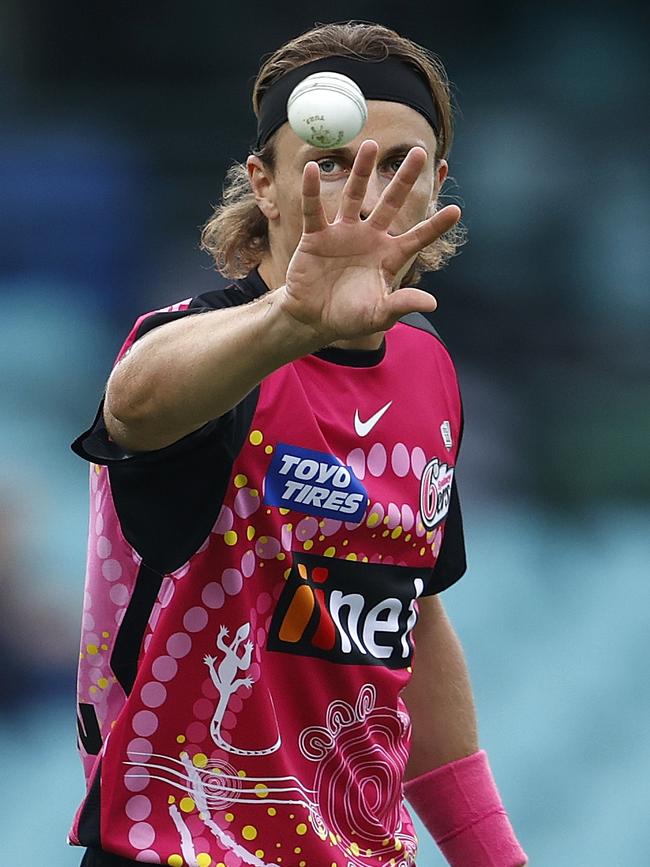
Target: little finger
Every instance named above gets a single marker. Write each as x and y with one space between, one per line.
313 213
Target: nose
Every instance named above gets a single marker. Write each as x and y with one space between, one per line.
373 192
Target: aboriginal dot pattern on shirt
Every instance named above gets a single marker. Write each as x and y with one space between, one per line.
265 724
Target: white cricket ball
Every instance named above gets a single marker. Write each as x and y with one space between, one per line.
327 110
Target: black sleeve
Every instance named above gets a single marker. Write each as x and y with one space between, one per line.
168 499
451 563
95 445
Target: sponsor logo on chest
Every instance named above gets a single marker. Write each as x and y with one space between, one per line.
347 612
315 483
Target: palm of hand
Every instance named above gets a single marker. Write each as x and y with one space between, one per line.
340 278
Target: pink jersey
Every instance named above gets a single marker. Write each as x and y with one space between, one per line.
242 706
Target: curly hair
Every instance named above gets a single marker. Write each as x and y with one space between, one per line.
236 235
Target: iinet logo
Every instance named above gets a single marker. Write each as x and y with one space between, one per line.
348 612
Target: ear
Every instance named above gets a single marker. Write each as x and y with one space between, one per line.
263 186
441 172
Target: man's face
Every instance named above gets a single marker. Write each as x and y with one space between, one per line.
395 127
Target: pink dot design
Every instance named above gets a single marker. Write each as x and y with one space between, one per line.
145 723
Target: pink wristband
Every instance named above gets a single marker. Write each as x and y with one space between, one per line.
459 805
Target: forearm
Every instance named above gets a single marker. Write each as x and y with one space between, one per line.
439 696
448 780
182 375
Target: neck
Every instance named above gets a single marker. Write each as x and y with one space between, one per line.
274 276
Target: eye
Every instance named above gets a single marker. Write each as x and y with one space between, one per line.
330 166
394 163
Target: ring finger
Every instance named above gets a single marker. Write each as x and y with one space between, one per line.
356 185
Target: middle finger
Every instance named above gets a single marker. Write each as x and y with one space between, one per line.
394 196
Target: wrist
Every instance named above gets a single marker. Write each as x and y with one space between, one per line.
459 805
297 338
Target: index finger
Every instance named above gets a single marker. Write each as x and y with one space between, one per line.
429 230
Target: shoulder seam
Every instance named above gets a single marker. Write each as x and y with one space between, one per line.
417 320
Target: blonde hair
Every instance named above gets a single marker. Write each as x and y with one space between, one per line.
236 235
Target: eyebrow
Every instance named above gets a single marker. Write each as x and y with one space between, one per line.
348 153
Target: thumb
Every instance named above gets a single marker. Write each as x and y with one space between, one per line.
410 300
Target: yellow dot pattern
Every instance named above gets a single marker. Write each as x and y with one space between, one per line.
255 437
268 450
200 760
249 832
230 538
203 859
261 790
301 828
329 552
187 805
271 811
175 861
229 817
250 533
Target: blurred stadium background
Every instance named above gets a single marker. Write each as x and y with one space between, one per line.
117 124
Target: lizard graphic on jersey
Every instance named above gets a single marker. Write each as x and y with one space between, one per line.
226 681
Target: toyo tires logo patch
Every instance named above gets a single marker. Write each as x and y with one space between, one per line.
435 492
315 483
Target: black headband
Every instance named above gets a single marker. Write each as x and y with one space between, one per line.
391 79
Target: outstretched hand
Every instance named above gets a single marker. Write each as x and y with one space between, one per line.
340 279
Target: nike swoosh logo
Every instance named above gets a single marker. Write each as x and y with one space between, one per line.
363 428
